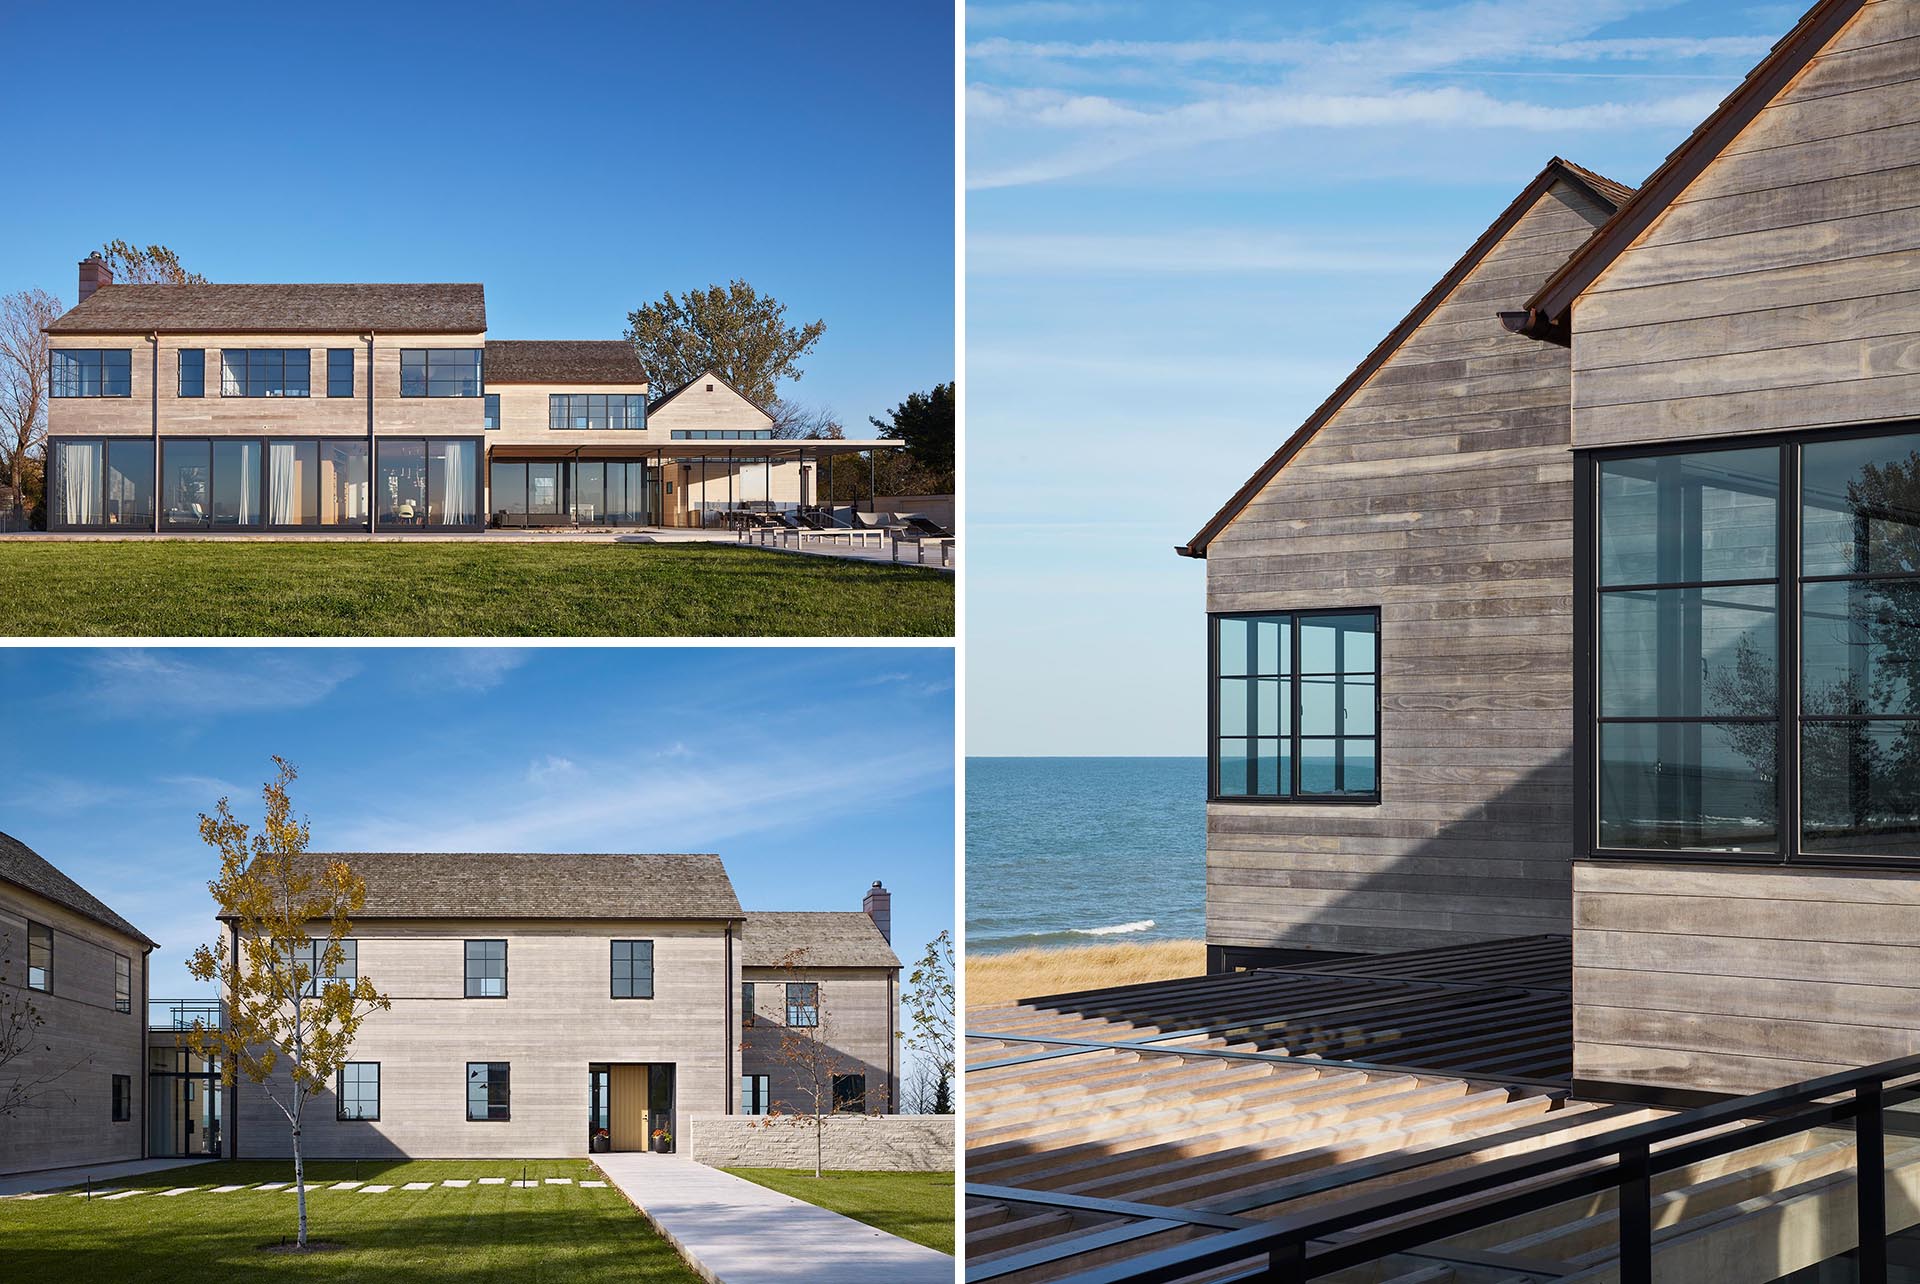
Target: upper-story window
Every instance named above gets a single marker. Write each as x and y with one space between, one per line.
633 969
597 410
39 956
1295 702
440 372
486 969
803 1004
122 983
721 434
92 372
339 372
193 372
746 1003
313 957
491 413
265 372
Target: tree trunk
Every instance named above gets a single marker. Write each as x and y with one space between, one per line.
300 1186
819 1144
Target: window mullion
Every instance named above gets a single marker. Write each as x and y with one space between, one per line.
1293 702
1787 639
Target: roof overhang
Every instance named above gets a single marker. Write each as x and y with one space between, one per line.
785 448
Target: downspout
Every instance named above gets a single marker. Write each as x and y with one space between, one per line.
233 1092
154 339
726 1086
893 1044
146 1006
373 522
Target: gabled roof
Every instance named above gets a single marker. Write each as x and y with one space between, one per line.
1604 190
24 867
1547 309
278 309
826 938
707 376
539 884
611 361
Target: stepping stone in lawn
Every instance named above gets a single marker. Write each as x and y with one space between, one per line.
559 1181
121 1194
222 1190
344 1185
179 1190
599 1185
493 1181
418 1185
272 1185
522 1185
42 1194
458 1181
374 1190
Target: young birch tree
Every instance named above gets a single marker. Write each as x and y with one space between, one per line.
929 1003
807 1055
286 1008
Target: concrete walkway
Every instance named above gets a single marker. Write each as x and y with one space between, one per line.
58 1178
734 1232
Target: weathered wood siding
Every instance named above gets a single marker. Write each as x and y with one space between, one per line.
1782 289
1442 493
857 1014
1738 979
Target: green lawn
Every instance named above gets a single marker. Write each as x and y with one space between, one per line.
206 588
497 1234
915 1206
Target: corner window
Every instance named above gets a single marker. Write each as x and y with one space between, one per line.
122 1098
754 1094
633 969
746 1004
849 1094
490 418
122 983
39 957
489 1094
265 372
91 372
193 372
339 372
357 1090
803 1004
440 372
486 969
1295 706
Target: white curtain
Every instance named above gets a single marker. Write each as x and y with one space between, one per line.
80 482
249 483
459 471
281 499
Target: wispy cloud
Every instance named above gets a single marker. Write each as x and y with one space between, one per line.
1186 251
480 668
125 682
1032 12
547 768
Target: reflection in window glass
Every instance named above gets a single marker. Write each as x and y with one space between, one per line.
508 489
343 483
1295 705
453 473
187 482
293 476
1689 785
1691 652
1860 787
543 488
130 484
236 483
91 372
1689 519
403 483
193 372
1860 506
358 1090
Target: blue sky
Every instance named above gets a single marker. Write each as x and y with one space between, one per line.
579 161
1185 225
765 756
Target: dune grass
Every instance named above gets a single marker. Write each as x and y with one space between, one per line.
915 1206
437 1236
210 588
997 979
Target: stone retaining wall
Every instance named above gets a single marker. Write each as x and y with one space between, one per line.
868 1143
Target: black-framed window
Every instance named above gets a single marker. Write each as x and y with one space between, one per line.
721 434
632 969
746 1003
1294 705
489 1091
313 957
356 1091
39 956
265 372
193 372
803 1004
1754 614
490 411
90 372
440 372
849 1094
617 411
122 1098
755 1094
122 983
428 482
486 969
339 372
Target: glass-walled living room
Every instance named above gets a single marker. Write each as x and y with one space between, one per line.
585 492
184 1104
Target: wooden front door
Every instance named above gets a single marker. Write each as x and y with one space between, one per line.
627 1123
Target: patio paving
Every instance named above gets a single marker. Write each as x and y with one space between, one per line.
735 1232
58 1178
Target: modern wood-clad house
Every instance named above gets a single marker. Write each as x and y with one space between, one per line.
382 408
83 969
1588 603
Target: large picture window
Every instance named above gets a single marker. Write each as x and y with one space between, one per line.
427 483
102 483
1295 706
440 372
91 372
1755 619
265 372
618 411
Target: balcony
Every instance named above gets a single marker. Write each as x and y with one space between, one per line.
180 1014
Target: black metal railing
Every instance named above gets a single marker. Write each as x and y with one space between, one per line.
1417 1216
180 1014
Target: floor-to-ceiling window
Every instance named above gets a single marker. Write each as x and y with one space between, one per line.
422 483
591 492
1755 617
184 1104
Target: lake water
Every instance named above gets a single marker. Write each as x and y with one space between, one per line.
1074 851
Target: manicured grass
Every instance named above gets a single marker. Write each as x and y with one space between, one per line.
207 588
915 1206
439 1236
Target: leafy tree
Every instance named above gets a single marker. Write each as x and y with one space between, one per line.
925 422
731 329
24 317
151 265
282 1003
929 1004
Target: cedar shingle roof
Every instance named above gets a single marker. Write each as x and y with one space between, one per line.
278 309
830 938
24 867
540 885
563 361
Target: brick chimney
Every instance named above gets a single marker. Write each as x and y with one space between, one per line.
879 907
94 273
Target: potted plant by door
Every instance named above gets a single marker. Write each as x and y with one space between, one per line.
662 1141
601 1141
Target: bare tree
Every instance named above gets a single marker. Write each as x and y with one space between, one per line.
792 420
24 317
146 265
811 1062
20 1023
